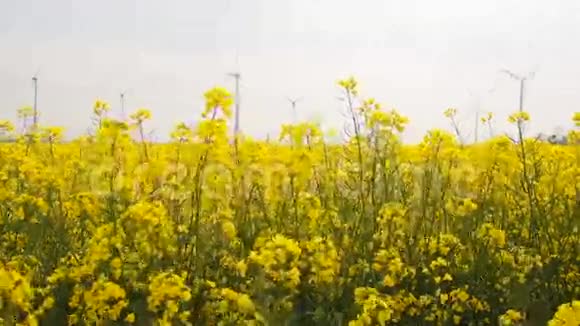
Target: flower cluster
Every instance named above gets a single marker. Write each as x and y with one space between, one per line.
113 229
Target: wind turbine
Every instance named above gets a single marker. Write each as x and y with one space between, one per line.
122 98
478 99
293 104
237 76
522 79
35 106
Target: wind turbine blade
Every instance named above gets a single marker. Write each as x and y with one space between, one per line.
507 72
511 74
36 73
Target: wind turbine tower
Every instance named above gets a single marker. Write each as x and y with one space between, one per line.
237 77
35 106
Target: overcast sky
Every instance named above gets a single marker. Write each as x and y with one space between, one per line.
418 56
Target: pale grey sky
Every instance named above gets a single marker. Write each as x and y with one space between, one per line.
419 56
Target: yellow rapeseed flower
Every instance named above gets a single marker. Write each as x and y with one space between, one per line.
130 318
567 314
